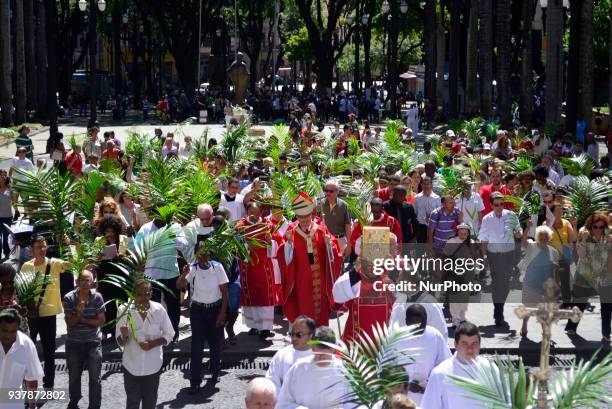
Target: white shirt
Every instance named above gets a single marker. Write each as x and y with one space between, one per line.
429 349
442 393
88 168
184 152
25 164
282 362
471 208
205 282
498 232
236 207
157 324
192 230
308 386
18 364
435 315
424 205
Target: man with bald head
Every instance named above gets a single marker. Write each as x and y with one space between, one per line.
260 394
198 230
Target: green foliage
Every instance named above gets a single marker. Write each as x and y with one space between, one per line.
230 242
234 146
473 130
601 37
279 142
201 152
29 286
85 252
141 145
499 386
298 46
587 197
84 202
582 165
48 198
357 196
372 366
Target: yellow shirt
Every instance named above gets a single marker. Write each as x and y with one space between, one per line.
562 233
52 302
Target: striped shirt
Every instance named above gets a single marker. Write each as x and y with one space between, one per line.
443 225
83 332
24 141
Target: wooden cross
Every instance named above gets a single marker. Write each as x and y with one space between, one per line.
546 314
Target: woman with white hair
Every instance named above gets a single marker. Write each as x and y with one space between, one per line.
539 264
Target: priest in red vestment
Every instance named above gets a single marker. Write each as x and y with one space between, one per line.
280 225
258 294
308 273
379 219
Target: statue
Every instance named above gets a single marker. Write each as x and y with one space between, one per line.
239 76
547 313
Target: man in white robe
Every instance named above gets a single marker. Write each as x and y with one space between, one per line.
428 347
435 316
441 392
315 382
301 333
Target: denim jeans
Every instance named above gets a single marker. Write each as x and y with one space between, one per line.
203 327
79 354
5 234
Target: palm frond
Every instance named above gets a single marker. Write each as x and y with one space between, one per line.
29 286
201 151
141 145
357 196
232 143
392 138
230 242
587 197
520 164
472 129
84 200
84 253
452 182
279 142
583 385
440 152
582 165
373 365
491 128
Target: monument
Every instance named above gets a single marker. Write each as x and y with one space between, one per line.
239 76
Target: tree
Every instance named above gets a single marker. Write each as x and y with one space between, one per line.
610 69
179 26
440 54
41 60
486 57
573 82
503 38
429 33
321 28
526 103
554 61
251 18
6 86
586 64
298 47
453 63
20 69
30 52
471 84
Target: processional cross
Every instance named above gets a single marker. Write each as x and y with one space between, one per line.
546 314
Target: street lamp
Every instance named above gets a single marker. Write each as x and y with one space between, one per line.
93 83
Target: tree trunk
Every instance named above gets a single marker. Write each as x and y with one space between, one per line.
471 82
32 83
370 8
554 61
393 75
6 86
117 48
41 60
52 39
526 105
486 57
503 36
586 64
440 57
572 110
20 69
610 70
453 64
430 52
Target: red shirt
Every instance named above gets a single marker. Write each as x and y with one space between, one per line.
385 194
77 166
485 193
111 153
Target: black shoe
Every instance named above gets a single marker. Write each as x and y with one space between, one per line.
253 331
501 323
265 334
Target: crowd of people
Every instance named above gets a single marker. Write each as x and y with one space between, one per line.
511 198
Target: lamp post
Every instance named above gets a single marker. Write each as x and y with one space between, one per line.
93 83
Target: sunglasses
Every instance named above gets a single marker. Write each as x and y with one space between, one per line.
548 202
298 334
329 190
599 227
498 205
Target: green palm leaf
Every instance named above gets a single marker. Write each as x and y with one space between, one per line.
582 165
587 197
29 286
373 365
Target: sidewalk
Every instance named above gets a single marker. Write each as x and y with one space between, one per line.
494 339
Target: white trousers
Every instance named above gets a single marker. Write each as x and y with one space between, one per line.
260 318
